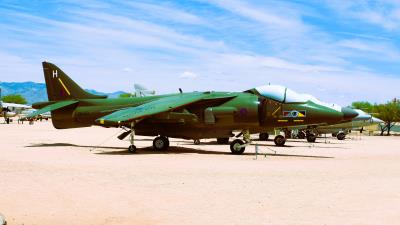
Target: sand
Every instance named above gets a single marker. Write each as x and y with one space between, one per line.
50 177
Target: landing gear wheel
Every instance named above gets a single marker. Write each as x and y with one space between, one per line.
341 136
160 143
301 135
237 147
311 138
223 141
196 141
132 149
279 140
263 136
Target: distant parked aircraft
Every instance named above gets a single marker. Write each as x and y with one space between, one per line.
141 91
9 110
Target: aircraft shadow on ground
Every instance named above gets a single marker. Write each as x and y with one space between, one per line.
319 140
171 150
317 145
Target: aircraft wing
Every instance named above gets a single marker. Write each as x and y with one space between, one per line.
52 107
152 108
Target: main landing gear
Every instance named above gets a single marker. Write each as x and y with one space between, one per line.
311 137
279 140
237 147
161 143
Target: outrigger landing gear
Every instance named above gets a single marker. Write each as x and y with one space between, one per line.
161 143
132 147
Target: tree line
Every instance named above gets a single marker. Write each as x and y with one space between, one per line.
388 112
16 98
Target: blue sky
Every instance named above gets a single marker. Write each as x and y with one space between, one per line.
340 51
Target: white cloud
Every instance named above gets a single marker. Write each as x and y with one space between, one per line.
170 13
265 15
383 13
127 69
188 75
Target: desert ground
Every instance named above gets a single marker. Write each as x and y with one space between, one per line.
86 176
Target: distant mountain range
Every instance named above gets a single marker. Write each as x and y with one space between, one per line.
36 92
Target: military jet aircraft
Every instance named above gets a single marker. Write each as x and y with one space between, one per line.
285 95
340 130
193 115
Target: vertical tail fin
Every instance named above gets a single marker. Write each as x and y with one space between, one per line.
61 87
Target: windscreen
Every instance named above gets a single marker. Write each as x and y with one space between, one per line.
286 95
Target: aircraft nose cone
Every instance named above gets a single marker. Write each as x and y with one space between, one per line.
376 120
349 113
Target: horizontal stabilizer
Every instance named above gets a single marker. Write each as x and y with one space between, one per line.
52 107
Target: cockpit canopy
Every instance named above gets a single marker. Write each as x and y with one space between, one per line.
286 95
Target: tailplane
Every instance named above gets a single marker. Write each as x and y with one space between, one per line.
61 87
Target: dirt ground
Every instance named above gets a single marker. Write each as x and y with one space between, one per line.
86 176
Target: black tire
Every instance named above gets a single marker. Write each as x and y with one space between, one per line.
263 136
196 141
223 141
341 136
311 138
279 140
160 143
132 149
301 135
237 147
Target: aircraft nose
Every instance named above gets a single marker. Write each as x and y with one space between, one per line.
349 113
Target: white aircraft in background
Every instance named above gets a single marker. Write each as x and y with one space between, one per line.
9 110
141 91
